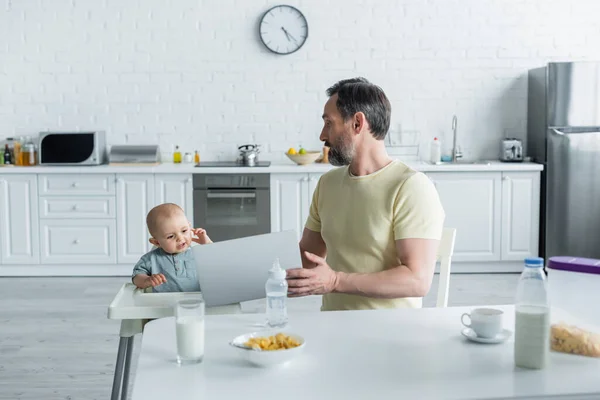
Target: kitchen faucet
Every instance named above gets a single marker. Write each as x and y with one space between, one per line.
456 153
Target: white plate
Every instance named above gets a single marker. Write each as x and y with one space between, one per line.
267 358
501 337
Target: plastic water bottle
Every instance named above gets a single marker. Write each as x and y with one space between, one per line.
532 319
276 288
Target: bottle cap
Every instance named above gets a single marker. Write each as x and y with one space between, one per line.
276 272
534 262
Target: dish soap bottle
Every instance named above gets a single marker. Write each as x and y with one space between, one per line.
276 289
436 151
177 156
532 319
196 157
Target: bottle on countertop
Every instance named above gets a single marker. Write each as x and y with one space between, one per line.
435 155
532 319
7 155
276 289
196 157
29 154
17 151
177 155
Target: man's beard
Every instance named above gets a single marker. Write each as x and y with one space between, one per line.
341 153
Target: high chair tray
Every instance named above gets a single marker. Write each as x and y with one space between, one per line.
133 303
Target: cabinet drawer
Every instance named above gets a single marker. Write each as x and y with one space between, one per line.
76 184
77 207
83 241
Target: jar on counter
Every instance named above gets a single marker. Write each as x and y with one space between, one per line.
187 158
29 156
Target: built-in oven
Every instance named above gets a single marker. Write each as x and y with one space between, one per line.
231 206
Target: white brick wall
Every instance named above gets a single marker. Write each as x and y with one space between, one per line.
194 73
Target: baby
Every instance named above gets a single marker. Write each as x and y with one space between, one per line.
170 267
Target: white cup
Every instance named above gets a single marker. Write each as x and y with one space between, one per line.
485 322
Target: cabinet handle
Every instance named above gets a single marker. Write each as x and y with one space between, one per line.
75 207
189 180
75 184
305 179
76 241
506 178
312 179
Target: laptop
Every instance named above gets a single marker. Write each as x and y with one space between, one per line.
236 270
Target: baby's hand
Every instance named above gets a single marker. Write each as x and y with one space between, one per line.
201 236
155 280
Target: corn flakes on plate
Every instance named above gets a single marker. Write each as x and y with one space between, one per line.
268 348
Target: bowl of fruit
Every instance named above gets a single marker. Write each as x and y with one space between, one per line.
302 156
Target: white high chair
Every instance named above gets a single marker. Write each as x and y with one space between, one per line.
444 257
132 305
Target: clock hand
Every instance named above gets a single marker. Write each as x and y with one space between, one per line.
289 35
286 33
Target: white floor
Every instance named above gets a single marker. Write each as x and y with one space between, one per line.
56 343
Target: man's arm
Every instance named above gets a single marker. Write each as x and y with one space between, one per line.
411 278
313 243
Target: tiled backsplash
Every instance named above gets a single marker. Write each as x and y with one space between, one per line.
194 72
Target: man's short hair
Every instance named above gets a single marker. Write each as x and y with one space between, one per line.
360 95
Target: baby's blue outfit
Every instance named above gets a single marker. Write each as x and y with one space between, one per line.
179 269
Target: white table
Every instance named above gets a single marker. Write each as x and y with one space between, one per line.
399 354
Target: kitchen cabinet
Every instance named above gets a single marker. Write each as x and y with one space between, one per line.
68 207
520 215
496 214
75 222
291 196
177 189
19 235
135 198
77 241
76 184
472 203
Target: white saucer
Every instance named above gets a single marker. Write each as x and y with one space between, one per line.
501 337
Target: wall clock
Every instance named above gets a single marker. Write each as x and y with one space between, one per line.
283 29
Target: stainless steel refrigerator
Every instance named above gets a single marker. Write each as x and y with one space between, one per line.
563 133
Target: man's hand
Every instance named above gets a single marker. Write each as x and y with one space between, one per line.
320 279
146 281
199 236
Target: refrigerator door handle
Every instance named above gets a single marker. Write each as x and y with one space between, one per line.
575 131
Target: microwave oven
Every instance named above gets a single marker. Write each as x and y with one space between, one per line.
72 148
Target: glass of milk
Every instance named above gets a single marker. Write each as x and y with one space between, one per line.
189 329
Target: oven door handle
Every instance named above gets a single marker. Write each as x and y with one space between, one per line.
231 195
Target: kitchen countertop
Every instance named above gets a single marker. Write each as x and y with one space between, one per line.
275 167
383 354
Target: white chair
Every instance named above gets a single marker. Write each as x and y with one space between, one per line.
444 257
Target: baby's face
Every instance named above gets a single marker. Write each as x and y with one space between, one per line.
173 235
